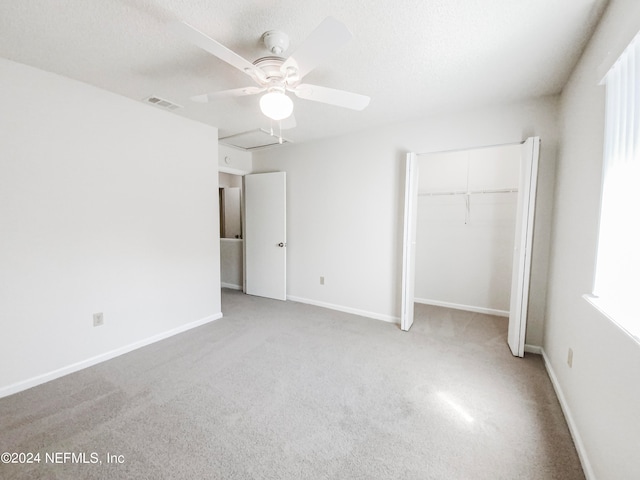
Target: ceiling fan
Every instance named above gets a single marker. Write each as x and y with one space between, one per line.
276 75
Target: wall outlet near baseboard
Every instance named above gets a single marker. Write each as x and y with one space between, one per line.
321 280
570 358
98 319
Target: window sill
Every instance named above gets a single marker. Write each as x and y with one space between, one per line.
624 319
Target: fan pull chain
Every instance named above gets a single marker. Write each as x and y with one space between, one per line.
467 213
273 133
467 197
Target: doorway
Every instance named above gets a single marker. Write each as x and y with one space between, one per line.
265 251
252 209
475 253
231 241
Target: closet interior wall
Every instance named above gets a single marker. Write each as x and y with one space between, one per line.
467 204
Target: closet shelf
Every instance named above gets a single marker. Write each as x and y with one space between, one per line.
465 192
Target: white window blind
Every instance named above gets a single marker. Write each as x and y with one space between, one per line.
617 282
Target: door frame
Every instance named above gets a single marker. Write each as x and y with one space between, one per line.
265 235
526 210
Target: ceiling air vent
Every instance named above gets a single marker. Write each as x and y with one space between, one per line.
161 102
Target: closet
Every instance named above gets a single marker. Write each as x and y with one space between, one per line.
465 230
468 232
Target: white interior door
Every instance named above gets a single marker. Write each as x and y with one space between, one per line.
265 236
522 246
409 242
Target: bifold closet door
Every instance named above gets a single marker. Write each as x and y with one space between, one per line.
521 273
409 241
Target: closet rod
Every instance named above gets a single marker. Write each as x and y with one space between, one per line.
472 148
463 192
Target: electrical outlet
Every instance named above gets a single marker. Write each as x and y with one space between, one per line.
321 280
570 358
98 319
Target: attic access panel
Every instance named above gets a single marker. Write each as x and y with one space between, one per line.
253 139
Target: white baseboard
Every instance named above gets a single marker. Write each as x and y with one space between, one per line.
340 308
532 349
231 286
458 306
60 372
577 439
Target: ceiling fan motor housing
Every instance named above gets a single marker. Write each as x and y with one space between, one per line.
277 42
271 66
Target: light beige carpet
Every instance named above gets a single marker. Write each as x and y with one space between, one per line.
281 390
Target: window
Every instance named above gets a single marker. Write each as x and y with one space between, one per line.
617 283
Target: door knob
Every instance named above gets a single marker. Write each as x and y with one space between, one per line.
282 244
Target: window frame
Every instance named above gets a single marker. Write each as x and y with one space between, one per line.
622 81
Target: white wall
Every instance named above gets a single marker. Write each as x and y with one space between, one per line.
234 161
231 263
601 390
229 180
106 205
464 249
344 203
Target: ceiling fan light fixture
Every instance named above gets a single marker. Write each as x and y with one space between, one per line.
276 105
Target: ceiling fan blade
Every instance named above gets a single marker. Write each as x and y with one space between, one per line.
323 42
339 98
236 92
196 37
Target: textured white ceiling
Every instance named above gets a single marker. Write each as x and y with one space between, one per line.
412 57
